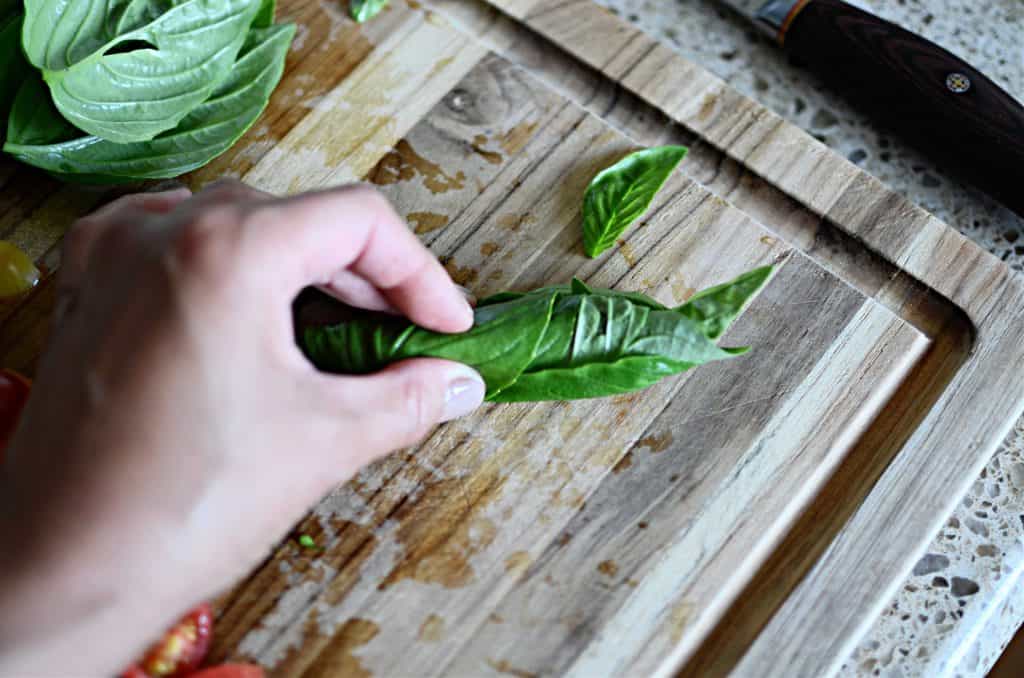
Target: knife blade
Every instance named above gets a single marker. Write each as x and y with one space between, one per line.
931 97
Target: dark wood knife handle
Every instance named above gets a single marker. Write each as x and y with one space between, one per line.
933 98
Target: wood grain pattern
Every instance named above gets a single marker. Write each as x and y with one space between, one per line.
518 181
516 494
705 519
907 237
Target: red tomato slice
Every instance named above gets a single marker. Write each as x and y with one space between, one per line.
180 651
231 671
134 671
14 390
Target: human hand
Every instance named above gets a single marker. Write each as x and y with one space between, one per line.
175 431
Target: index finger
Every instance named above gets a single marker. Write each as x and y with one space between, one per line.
316 237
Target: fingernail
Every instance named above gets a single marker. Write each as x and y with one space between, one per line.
470 297
468 314
465 393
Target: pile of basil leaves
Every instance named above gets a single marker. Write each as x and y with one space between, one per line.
112 91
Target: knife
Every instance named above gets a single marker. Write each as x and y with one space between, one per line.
931 97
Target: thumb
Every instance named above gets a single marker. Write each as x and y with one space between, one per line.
398 406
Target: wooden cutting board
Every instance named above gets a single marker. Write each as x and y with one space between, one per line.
749 516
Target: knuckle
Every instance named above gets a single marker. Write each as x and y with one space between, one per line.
420 409
228 190
367 194
208 245
117 237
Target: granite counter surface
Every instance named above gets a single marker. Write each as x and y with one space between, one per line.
965 598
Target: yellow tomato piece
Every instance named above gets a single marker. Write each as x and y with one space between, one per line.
18 273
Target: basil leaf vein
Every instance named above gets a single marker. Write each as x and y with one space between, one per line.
203 134
127 70
620 194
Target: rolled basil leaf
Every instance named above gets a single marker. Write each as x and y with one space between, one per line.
565 342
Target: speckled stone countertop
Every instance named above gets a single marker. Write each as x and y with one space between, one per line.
965 598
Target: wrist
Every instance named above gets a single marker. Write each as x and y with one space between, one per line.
70 599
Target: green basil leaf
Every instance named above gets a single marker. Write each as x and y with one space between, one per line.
620 194
715 308
206 132
13 67
596 380
9 8
499 298
265 15
591 328
33 119
364 10
127 70
499 346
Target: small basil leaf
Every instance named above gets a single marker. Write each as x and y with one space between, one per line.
127 70
620 194
13 67
206 132
715 308
364 10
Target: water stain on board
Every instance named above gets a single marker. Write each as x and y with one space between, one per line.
516 138
707 106
626 250
355 544
681 291
431 630
403 163
440 66
461 275
513 222
503 666
624 463
678 619
296 657
442 529
489 248
337 658
493 157
656 443
517 562
425 222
